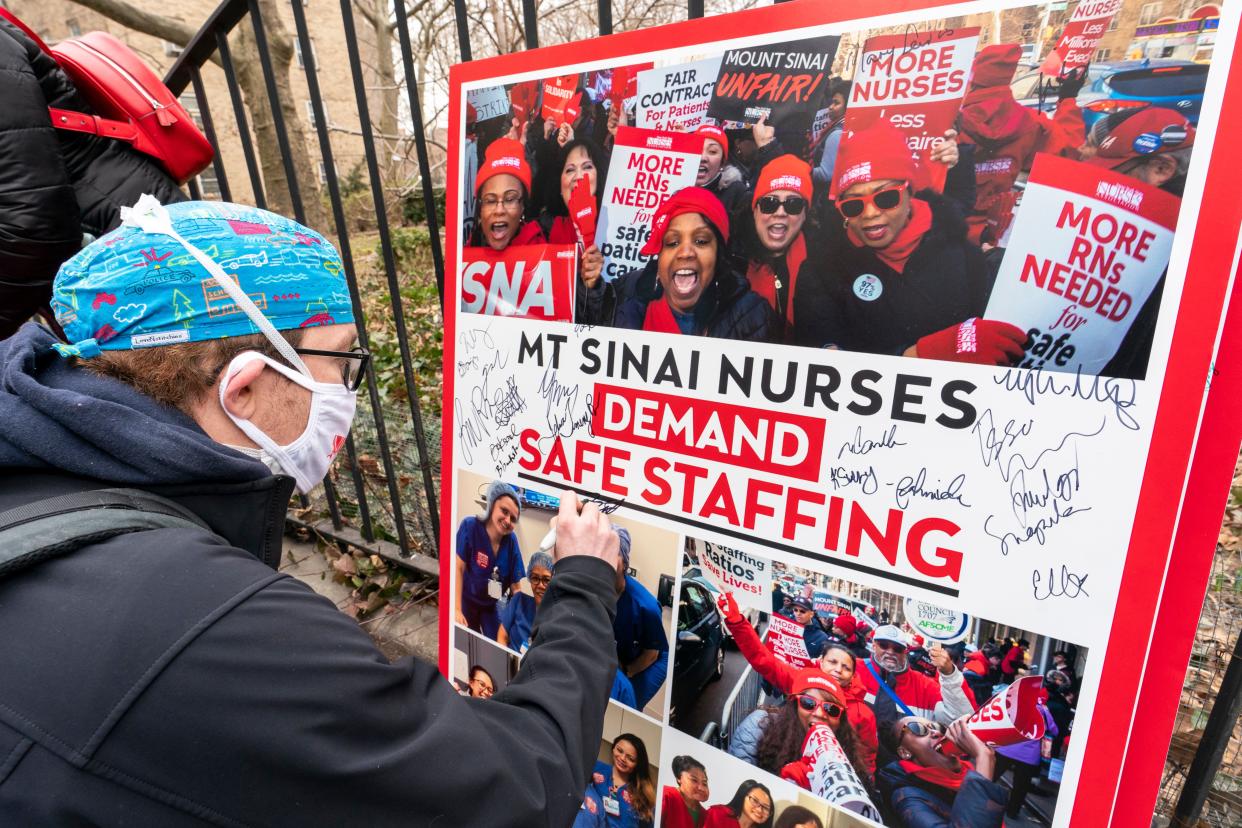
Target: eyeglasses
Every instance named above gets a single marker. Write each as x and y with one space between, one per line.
510 201
758 804
354 367
922 728
810 704
793 205
885 199
542 580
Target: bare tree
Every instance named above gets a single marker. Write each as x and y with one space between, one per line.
250 78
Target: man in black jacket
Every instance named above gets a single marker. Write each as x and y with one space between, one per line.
170 676
54 185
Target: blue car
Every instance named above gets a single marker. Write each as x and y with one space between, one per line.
1123 85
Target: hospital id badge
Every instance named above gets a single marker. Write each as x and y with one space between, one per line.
493 589
612 806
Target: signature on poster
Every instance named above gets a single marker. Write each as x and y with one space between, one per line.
1063 584
1031 383
567 407
860 445
915 485
866 480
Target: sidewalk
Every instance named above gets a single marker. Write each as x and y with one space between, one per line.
411 631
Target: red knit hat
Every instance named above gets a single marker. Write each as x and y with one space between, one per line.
845 623
504 155
1149 131
714 133
813 678
788 172
877 153
687 200
995 65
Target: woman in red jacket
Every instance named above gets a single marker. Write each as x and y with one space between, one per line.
837 661
751 807
683 805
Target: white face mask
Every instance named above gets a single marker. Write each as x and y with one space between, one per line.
308 457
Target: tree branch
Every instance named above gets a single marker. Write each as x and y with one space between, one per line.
140 20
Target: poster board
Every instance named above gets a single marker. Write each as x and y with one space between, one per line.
898 501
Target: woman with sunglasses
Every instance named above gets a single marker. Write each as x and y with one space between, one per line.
772 737
928 786
692 285
903 279
776 240
750 807
836 661
519 613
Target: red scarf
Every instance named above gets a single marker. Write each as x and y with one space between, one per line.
659 317
938 776
898 252
762 276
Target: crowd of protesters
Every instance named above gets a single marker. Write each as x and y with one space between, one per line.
757 250
897 706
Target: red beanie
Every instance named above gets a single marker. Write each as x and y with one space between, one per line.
846 623
995 65
787 172
504 155
877 153
813 678
1149 131
687 200
714 133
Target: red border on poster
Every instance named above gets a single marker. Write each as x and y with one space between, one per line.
1177 514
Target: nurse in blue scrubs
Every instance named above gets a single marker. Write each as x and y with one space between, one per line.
642 645
519 614
623 789
489 562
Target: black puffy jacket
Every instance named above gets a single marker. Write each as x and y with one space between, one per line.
54 185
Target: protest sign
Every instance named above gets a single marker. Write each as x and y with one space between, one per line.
917 85
1087 249
747 577
1077 44
647 167
489 102
978 502
832 776
675 98
784 638
941 624
530 281
558 93
786 83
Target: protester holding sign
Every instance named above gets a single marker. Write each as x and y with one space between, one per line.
690 287
925 788
581 164
772 737
836 661
894 689
905 280
1007 135
489 562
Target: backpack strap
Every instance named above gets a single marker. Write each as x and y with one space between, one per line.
55 526
72 121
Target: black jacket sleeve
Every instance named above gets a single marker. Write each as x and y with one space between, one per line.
286 714
39 226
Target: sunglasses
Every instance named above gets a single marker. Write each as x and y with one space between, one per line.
354 367
921 728
793 205
810 704
885 199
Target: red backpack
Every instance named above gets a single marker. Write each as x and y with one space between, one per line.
131 102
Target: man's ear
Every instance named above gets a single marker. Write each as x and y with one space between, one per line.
240 399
